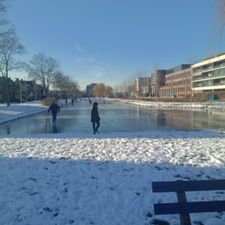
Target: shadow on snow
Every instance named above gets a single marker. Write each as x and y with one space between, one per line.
82 192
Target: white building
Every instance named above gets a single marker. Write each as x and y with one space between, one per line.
142 86
209 75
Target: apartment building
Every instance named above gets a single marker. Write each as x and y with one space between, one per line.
89 89
208 76
157 80
177 83
142 86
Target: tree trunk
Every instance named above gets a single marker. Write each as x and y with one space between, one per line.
7 85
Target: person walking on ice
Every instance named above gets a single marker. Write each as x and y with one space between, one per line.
54 108
95 119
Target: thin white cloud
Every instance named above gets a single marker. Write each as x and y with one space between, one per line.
91 59
99 75
99 72
79 48
83 60
95 70
82 56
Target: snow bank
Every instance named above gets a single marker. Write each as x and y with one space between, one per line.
16 111
219 106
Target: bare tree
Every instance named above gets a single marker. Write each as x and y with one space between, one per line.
126 88
4 5
65 85
73 89
9 48
42 69
108 91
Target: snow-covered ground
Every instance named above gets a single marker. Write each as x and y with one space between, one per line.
212 106
16 111
105 179
20 110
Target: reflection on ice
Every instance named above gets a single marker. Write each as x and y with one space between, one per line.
54 128
116 117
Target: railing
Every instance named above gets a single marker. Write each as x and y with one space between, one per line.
195 73
207 78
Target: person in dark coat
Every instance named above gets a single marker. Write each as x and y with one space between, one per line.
54 108
95 119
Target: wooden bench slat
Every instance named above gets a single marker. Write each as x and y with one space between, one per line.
183 186
189 207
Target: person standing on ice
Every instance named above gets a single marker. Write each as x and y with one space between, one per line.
54 108
95 119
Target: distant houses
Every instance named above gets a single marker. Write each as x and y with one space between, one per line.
186 81
19 90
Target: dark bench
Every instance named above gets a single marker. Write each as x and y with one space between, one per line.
183 207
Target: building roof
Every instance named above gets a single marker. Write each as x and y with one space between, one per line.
209 60
178 68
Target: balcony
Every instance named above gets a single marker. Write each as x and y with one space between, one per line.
215 67
212 77
208 84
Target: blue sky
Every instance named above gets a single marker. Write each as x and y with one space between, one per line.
111 40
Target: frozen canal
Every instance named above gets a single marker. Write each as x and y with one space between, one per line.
115 117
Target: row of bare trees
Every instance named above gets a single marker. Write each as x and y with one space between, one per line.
45 70
66 85
10 46
126 88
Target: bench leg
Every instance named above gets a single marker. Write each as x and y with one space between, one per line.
184 218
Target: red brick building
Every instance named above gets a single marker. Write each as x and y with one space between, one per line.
177 83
